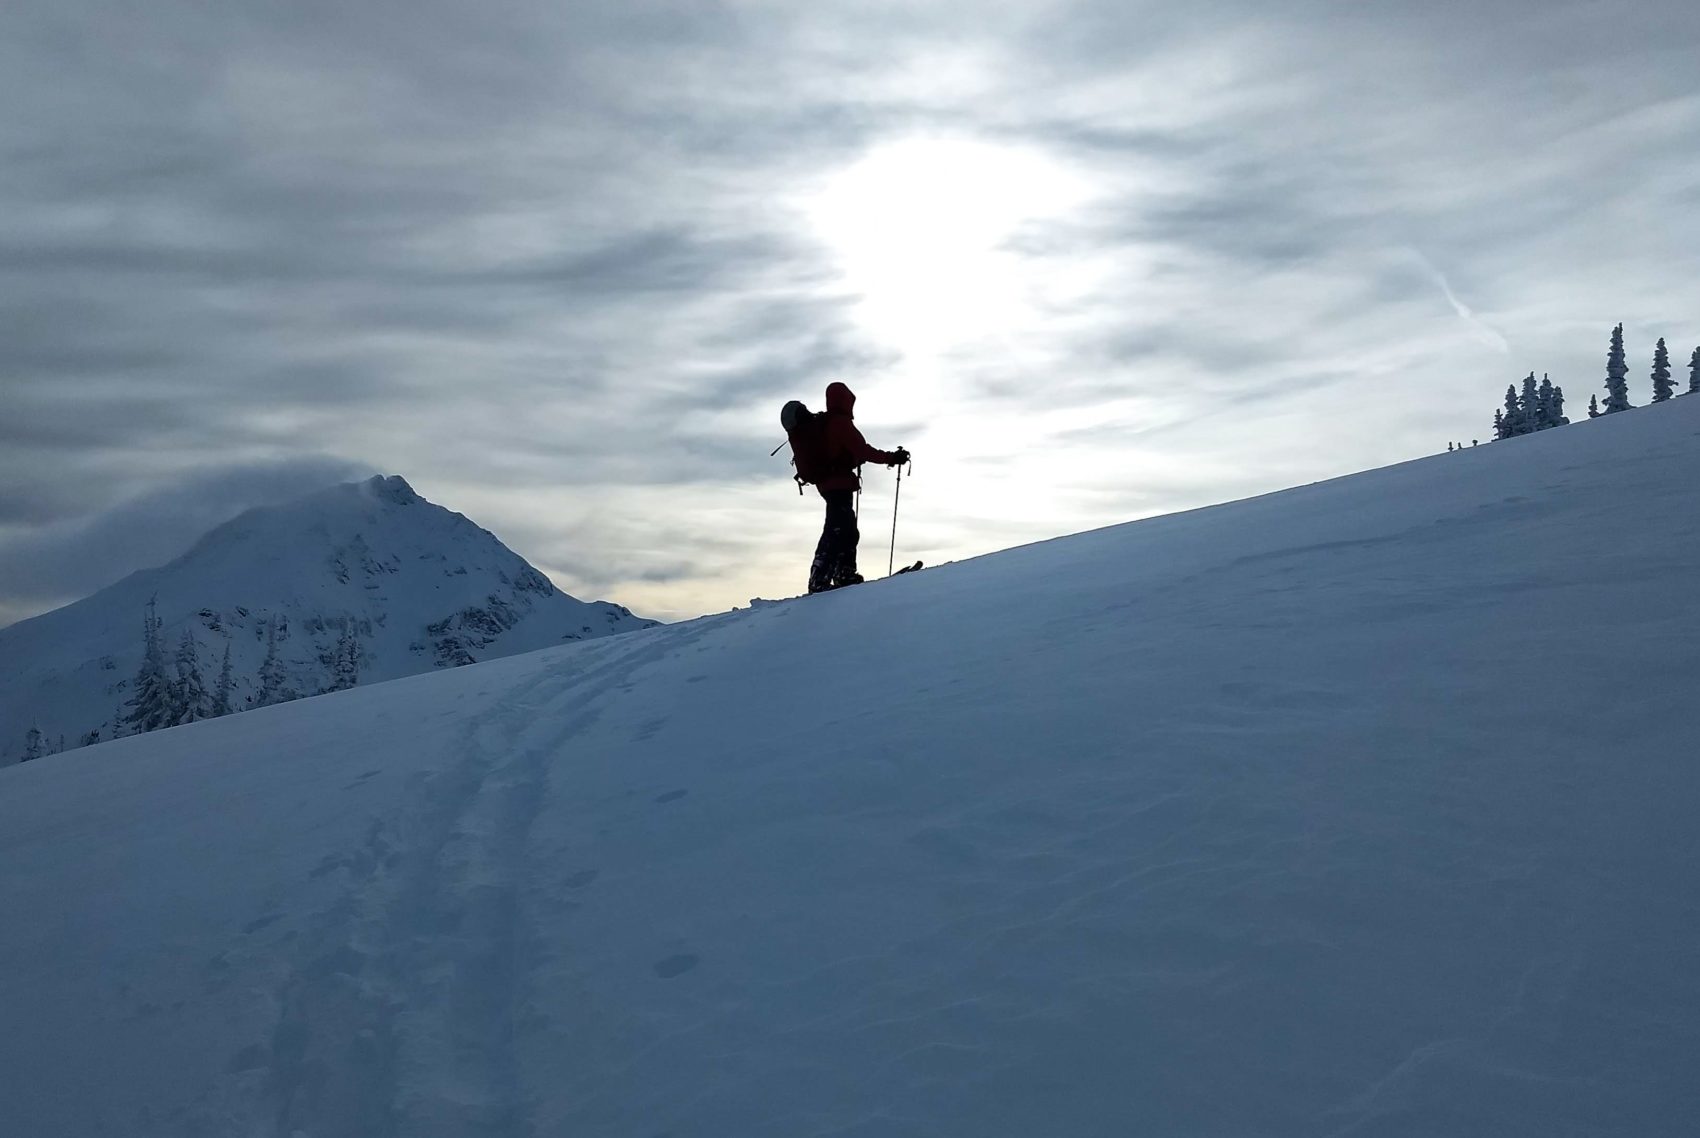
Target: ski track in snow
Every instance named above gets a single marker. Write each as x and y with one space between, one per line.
400 1011
1361 810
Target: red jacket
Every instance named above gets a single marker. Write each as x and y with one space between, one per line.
846 449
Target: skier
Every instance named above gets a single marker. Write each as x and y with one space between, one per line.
843 451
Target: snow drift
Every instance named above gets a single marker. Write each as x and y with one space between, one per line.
1363 808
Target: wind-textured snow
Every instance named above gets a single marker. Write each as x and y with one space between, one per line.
1367 808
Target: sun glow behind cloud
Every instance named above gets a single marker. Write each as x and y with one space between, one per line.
942 244
921 229
963 262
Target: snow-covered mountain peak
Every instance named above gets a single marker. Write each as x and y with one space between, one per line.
391 488
367 570
341 512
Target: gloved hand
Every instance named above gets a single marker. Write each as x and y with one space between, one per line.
899 457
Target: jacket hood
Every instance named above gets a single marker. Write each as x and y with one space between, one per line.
840 400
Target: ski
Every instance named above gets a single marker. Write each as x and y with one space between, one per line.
764 602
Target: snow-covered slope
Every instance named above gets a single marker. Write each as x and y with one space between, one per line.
1366 808
414 585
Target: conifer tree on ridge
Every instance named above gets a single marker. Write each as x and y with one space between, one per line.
1555 404
1510 422
1617 373
1663 388
1529 407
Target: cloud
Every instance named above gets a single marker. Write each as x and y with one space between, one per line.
1487 333
548 261
53 564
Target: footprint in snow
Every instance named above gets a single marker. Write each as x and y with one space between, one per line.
250 1058
676 965
330 864
259 923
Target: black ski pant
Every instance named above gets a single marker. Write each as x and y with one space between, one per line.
835 556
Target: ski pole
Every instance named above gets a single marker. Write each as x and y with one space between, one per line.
891 559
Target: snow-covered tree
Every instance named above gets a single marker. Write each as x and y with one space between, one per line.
192 701
1594 411
273 681
33 746
1535 408
221 692
1510 422
345 662
1663 388
152 701
1529 407
1694 373
1617 376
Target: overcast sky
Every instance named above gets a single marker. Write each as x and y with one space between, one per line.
559 264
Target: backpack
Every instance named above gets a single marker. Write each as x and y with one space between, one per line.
806 432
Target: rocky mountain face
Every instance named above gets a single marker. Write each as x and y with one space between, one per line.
353 585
